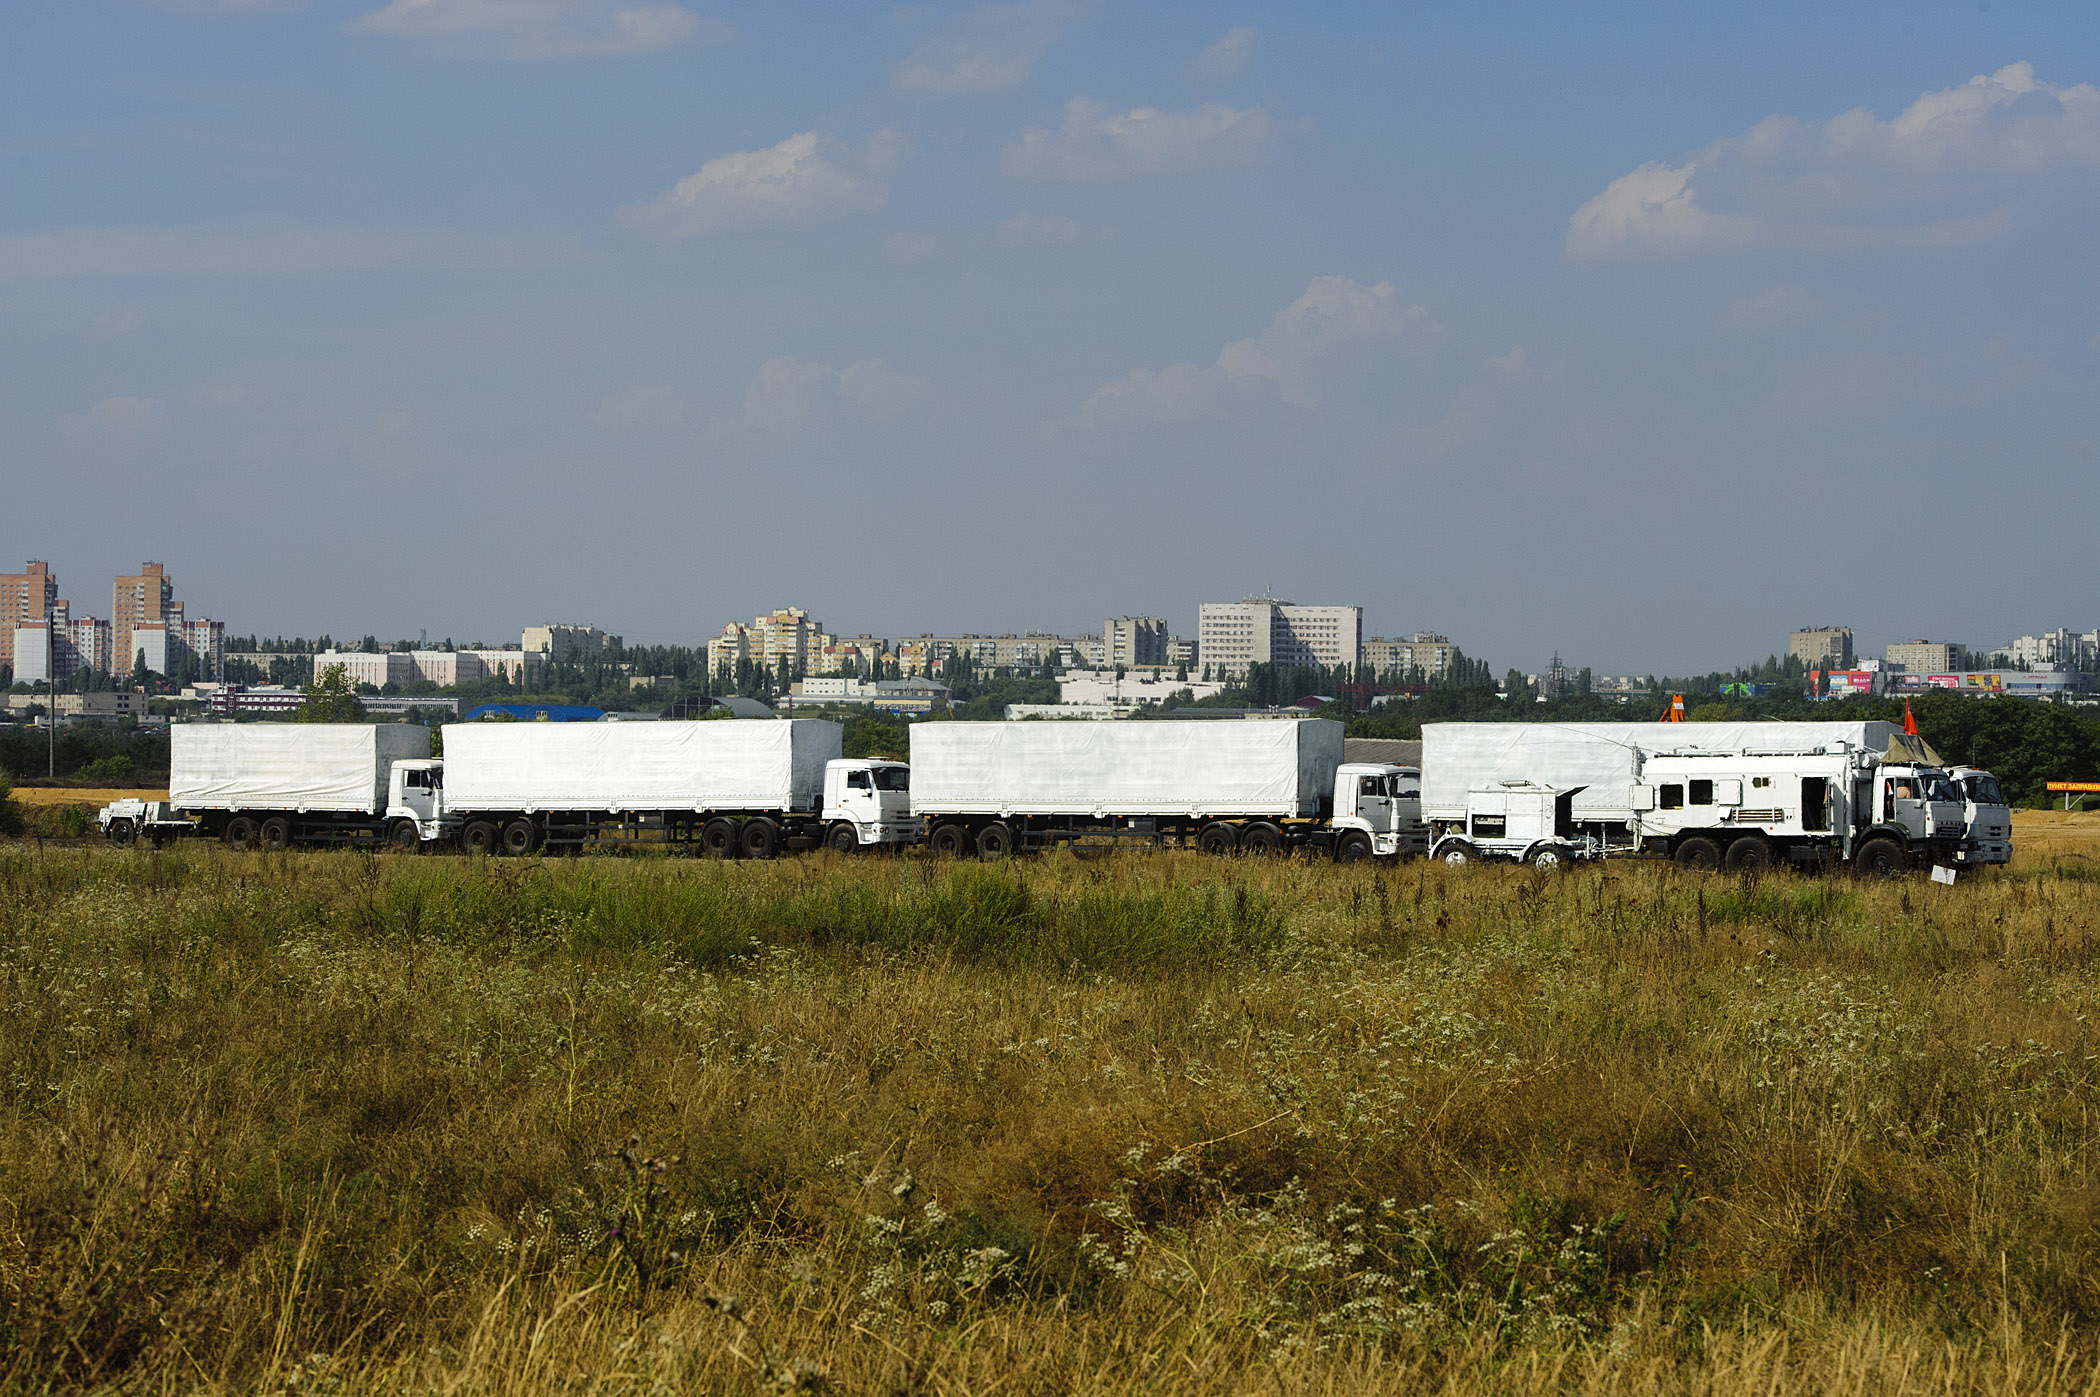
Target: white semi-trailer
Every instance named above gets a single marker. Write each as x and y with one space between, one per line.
1709 795
272 785
1259 786
748 788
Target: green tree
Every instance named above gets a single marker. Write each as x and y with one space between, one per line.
331 698
10 813
140 675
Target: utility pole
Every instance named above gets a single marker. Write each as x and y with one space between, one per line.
51 704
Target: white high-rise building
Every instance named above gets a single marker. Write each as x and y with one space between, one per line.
1233 635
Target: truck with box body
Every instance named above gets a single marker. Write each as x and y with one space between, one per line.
272 785
727 788
1519 822
1259 785
1708 795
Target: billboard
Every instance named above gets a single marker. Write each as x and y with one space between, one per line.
1845 683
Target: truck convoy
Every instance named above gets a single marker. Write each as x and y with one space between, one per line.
1264 786
723 787
1740 796
1708 795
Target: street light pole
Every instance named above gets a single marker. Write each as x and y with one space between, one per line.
51 708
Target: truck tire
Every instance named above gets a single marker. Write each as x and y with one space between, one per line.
994 842
1750 854
1354 847
275 835
1262 839
520 837
480 837
758 838
842 838
239 833
718 838
1457 853
950 841
1698 854
405 837
1218 840
120 832
1880 857
1549 858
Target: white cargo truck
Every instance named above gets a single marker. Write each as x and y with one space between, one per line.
1261 786
1989 817
272 785
1710 795
726 788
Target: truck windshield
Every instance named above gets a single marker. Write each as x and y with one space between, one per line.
892 778
1982 787
1933 785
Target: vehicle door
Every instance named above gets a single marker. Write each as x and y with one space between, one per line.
1903 805
1377 803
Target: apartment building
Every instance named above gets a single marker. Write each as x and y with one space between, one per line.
925 654
144 598
1233 635
28 595
1924 657
1131 641
441 667
1394 660
567 644
1822 647
2057 649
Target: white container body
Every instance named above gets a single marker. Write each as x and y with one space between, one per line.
1603 758
727 764
287 766
1191 768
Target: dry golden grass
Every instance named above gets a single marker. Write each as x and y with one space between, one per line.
80 795
336 1122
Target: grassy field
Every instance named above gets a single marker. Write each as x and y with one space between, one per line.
1145 1124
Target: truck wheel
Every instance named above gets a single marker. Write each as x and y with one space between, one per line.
239 833
1262 839
479 837
1880 858
275 834
1354 848
1699 854
1750 854
718 838
950 841
758 838
1548 858
1218 840
1457 853
405 836
520 837
843 838
121 832
994 842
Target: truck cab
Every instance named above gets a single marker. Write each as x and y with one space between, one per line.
868 803
1921 802
1383 802
1519 822
1989 817
415 802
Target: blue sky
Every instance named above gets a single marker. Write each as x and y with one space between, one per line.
1645 333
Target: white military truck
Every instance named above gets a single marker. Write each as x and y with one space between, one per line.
272 785
1518 822
1260 786
1990 818
745 788
1709 795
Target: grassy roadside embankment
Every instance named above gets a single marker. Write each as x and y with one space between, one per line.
1135 1124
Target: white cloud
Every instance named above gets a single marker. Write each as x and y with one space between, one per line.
120 420
1512 363
1047 230
261 251
1335 318
645 407
787 183
1093 145
531 29
1939 173
789 395
997 51
1226 55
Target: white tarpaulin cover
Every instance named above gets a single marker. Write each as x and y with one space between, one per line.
1278 767
1604 758
726 764
287 766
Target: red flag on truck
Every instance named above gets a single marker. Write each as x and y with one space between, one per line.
1910 724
